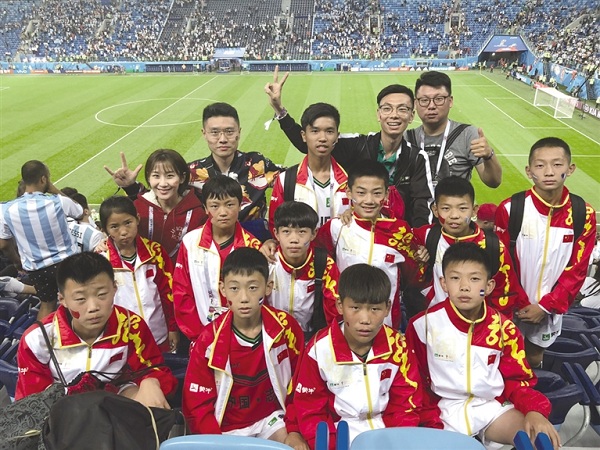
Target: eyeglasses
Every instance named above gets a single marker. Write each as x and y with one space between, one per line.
437 101
386 110
216 133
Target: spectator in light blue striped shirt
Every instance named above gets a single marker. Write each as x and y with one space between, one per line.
37 221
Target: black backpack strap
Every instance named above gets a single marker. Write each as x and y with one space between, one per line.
318 320
289 184
517 206
492 247
578 211
455 133
431 244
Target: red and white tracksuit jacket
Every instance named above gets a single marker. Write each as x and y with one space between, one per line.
196 280
294 288
147 288
466 364
305 193
333 384
125 345
209 380
551 265
169 228
508 292
385 243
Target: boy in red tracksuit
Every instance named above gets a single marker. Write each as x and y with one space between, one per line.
358 370
242 363
198 270
552 264
454 206
476 377
371 237
294 271
88 332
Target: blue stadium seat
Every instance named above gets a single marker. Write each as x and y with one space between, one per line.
342 441
8 377
522 442
220 441
8 306
564 351
414 438
322 436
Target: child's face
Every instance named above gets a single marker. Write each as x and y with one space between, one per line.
467 284
164 182
321 136
367 196
90 304
245 293
549 168
294 242
454 214
122 228
362 322
223 213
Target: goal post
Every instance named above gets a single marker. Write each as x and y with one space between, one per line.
562 105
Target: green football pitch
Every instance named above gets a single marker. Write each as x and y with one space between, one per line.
77 124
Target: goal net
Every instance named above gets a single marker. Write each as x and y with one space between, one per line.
562 104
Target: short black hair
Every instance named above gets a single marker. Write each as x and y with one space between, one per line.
318 110
550 142
220 109
169 157
69 191
395 89
296 215
434 79
78 197
116 204
221 187
467 252
365 284
454 186
82 267
245 261
32 171
368 168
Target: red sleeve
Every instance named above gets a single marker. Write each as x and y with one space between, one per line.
33 376
324 239
405 391
429 412
570 281
330 291
200 390
276 200
394 203
501 223
143 352
508 293
186 313
519 379
164 282
311 400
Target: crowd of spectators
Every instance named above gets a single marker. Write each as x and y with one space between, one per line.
100 30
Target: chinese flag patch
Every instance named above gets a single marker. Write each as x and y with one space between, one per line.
345 201
385 374
568 238
491 359
310 288
389 258
281 356
150 272
117 357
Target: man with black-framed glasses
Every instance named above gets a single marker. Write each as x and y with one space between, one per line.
453 148
407 166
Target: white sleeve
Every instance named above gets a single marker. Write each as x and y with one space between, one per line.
71 208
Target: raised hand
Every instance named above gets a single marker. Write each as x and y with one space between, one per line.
273 90
124 176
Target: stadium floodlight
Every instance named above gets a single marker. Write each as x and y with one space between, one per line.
562 105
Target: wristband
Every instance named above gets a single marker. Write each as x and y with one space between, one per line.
281 115
489 157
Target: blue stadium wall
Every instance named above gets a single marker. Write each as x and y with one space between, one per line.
567 77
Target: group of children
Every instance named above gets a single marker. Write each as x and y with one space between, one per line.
291 335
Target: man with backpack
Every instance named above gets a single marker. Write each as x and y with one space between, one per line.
551 233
